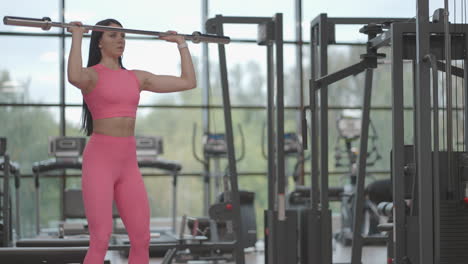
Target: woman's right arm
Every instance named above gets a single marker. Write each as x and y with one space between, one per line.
77 75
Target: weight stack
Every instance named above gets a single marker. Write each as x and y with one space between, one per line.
453 232
287 245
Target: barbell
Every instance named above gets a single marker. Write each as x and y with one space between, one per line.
46 23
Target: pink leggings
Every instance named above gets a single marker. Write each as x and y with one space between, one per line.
110 172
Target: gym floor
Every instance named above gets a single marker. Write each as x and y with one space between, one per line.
371 255
341 254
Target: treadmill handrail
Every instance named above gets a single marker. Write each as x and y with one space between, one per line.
54 164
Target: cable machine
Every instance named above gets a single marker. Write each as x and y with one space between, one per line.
429 177
319 233
270 31
430 208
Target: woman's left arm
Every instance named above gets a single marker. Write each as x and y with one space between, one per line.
165 83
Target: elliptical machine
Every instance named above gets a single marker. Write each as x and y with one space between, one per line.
349 130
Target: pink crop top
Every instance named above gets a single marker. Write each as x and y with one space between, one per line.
116 94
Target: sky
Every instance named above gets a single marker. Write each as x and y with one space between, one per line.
35 60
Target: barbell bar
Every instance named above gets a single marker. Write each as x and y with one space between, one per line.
46 23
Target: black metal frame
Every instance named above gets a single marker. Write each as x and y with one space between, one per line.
5 197
9 169
275 162
428 192
41 167
322 35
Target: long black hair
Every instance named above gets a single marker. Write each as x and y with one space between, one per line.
94 58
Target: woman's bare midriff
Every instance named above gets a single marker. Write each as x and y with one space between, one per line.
115 126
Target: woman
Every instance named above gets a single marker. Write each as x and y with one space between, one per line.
110 169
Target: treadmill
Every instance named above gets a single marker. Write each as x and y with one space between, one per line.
67 155
13 255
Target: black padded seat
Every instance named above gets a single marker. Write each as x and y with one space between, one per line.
301 195
42 255
36 242
380 191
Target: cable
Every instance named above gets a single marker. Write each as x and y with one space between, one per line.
212 116
456 85
443 111
463 84
448 73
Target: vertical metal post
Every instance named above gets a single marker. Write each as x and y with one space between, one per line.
314 240
280 116
424 140
38 203
465 87
324 199
62 69
436 160
205 74
300 78
205 82
174 201
6 202
362 163
271 128
62 105
271 243
314 133
280 162
206 183
398 184
415 206
17 202
448 72
239 250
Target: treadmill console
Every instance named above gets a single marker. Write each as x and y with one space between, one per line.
66 147
292 144
214 144
349 126
149 146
